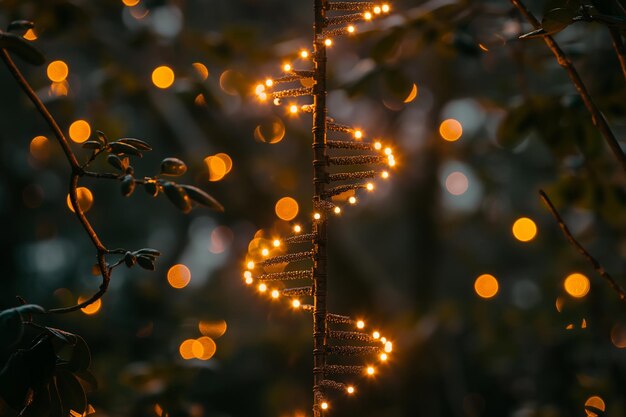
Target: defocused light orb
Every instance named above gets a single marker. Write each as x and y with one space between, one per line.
30 35
524 229
40 147
577 285
217 167
618 336
85 199
208 348
178 276
270 131
286 208
57 71
163 76
457 183
486 286
450 130
80 131
92 308
201 70
186 348
212 328
130 3
597 403
412 95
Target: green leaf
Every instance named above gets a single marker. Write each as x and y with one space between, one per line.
151 188
173 167
128 185
146 262
139 144
201 197
92 144
177 195
80 358
115 162
148 251
22 48
21 25
130 259
121 148
71 392
102 137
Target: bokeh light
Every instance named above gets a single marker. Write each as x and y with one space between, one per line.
286 208
524 229
486 286
618 335
40 147
204 348
163 76
85 199
80 131
451 130
201 70
57 71
92 308
130 3
212 329
178 276
30 35
186 348
457 183
218 166
593 404
577 285
270 131
412 95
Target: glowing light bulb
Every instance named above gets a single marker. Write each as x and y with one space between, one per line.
317 216
265 252
295 303
293 109
250 265
385 8
385 174
275 294
262 287
383 357
249 280
269 82
360 324
358 134
337 210
378 146
350 389
328 42
387 151
391 161
263 96
324 405
351 29
376 335
352 200
377 10
287 67
383 340
369 186
297 228
276 243
276 101
304 53
367 16
388 347
259 89
371 370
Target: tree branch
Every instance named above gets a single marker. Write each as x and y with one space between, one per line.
597 118
618 46
570 238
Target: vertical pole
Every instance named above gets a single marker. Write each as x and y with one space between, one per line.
319 226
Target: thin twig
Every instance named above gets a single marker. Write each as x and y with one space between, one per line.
571 239
618 46
597 118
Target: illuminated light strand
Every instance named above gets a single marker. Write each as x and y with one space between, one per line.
307 237
347 18
349 335
290 257
336 385
336 318
357 160
350 5
345 369
286 276
298 291
343 188
293 92
336 127
353 350
343 176
344 144
348 30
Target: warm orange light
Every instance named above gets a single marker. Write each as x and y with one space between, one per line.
186 348
376 335
360 324
595 402
450 130
371 370
276 243
213 328
178 276
275 294
293 109
358 134
377 10
92 308
57 71
130 3
352 200
351 29
369 186
378 146
577 285
80 131
40 147
486 286
163 76
204 348
350 389
250 265
317 216
388 347
259 89
218 165
324 405
337 210
367 16
249 280
295 303
297 228
386 8
328 42
265 252
85 199
286 208
383 357
304 54
385 174
30 35
262 287
287 67
201 70
524 229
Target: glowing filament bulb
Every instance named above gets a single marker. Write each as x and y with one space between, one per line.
287 67
276 243
352 200
276 101
350 389
388 347
367 16
304 54
324 405
248 277
297 228
249 280
360 324
295 303
369 186
259 89
371 370
262 287
378 146
269 82
383 339
275 294
265 252
328 42
376 335
391 161
317 216
293 109
387 151
385 8
358 134
337 210
385 174
263 96
383 357
377 10
250 265
351 29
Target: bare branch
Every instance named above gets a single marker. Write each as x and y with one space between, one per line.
571 239
618 46
597 118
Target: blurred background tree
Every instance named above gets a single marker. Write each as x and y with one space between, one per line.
483 120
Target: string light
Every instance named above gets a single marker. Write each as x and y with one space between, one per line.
324 405
358 134
287 67
297 228
328 42
265 252
262 287
367 16
378 146
371 370
269 82
259 89
293 109
276 243
250 265
388 347
360 324
249 280
295 303
352 200
304 54
263 96
385 174
383 357
386 8
275 294
377 10
383 340
388 151
337 210
376 335
351 29
317 216
369 186
350 389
